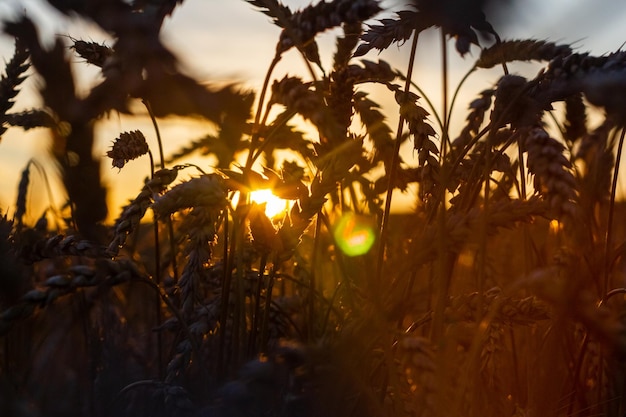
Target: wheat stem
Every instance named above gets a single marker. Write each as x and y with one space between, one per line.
392 173
268 305
609 230
445 137
46 182
313 284
455 96
157 132
256 317
443 273
254 139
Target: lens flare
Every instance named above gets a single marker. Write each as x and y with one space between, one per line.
354 234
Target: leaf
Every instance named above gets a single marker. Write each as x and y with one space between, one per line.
177 94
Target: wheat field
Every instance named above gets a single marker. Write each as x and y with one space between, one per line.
500 294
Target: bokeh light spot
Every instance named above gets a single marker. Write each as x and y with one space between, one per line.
354 234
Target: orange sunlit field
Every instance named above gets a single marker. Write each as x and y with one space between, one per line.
403 211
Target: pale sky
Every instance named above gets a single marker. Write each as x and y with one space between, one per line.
225 41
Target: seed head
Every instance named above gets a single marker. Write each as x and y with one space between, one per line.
129 146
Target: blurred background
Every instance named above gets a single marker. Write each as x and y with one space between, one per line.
222 42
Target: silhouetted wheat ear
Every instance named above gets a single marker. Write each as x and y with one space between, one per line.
346 44
333 169
92 52
59 246
510 310
134 212
305 24
475 118
599 161
377 130
421 131
30 119
602 80
274 9
11 80
129 146
552 171
75 278
299 97
390 30
372 72
575 118
22 193
205 191
198 232
515 104
460 226
520 50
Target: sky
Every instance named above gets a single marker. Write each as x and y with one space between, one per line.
222 41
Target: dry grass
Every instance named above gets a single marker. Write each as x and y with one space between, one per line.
495 296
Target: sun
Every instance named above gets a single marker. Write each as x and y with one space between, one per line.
274 205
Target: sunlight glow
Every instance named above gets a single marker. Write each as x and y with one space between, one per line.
354 234
274 205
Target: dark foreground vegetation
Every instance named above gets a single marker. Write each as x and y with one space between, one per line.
501 294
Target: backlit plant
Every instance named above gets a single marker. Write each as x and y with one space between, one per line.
501 293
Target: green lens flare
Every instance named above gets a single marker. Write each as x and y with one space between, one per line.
354 234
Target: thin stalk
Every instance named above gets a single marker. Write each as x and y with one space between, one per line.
354 198
444 81
393 172
229 246
522 171
342 268
313 283
157 246
157 132
239 316
443 273
256 317
157 301
577 369
175 311
259 149
523 195
331 302
305 286
225 299
254 139
46 182
609 230
482 263
268 306
455 95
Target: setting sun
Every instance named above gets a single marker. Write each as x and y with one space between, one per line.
274 205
